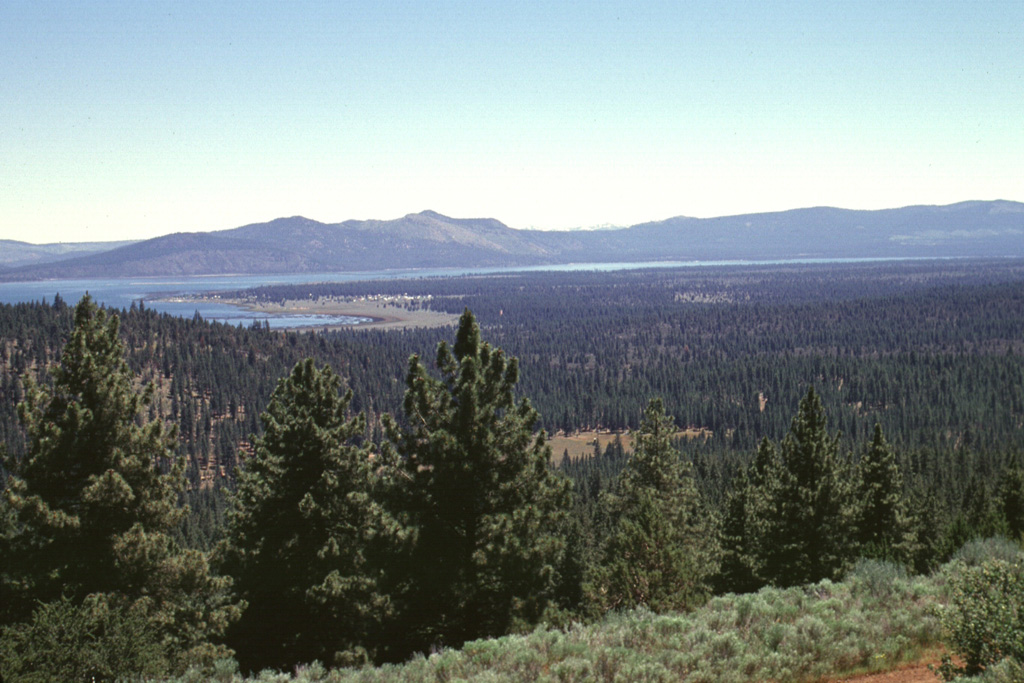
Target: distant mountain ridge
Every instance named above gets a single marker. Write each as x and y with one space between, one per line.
431 240
14 254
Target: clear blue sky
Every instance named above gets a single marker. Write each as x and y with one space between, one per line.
132 119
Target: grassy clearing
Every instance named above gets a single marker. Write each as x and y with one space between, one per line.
581 444
873 621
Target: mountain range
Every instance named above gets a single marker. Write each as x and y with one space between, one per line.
14 254
431 240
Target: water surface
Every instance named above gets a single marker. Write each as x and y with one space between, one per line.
164 294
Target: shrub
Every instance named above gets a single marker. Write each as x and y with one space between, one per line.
979 550
984 620
877 577
223 670
96 641
798 634
1006 671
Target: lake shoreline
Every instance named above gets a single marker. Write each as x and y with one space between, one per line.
186 296
376 314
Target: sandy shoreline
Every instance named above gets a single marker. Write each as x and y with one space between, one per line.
382 314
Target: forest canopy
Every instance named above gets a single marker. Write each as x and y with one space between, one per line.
848 412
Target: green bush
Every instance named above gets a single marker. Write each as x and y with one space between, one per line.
984 620
869 622
878 577
96 640
1006 671
979 550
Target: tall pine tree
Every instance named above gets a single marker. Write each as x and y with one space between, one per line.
663 550
803 509
1011 501
307 536
883 524
93 503
480 493
744 523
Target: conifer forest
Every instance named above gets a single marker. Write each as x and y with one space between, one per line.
797 455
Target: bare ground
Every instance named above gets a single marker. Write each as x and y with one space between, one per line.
911 673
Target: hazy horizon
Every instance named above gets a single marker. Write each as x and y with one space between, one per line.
125 120
605 226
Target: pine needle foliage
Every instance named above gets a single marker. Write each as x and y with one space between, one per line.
93 504
743 523
1011 501
883 522
662 551
479 490
306 533
799 515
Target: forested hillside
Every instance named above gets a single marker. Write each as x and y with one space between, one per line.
860 411
933 351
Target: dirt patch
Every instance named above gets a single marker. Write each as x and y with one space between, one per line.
912 673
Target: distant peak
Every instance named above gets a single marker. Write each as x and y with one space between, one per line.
293 219
427 214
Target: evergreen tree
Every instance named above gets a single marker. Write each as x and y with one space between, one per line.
1011 501
481 494
306 532
805 509
745 524
92 504
927 522
736 573
663 550
979 510
883 528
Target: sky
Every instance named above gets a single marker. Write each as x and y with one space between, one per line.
128 120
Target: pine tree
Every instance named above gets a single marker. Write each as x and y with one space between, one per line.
93 502
306 532
736 574
481 494
883 527
980 510
927 524
745 523
663 550
1011 501
805 510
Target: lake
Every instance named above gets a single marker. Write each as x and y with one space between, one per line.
159 293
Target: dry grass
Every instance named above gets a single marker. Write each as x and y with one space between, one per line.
581 444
